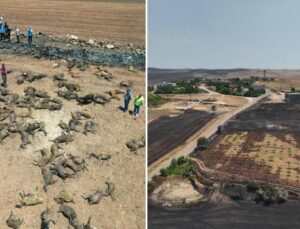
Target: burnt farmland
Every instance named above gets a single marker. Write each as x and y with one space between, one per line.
167 133
261 143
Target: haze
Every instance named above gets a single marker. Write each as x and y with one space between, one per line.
224 34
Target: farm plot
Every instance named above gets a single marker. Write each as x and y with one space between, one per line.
167 133
267 149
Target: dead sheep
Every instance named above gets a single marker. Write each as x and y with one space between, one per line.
59 77
25 139
69 213
67 95
59 166
65 197
134 144
30 199
100 157
64 138
110 191
89 127
93 198
13 221
45 219
47 177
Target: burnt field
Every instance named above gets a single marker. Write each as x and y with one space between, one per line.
241 215
261 143
167 133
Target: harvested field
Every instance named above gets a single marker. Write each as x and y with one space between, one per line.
112 130
120 21
167 133
261 143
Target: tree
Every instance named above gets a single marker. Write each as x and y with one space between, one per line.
202 143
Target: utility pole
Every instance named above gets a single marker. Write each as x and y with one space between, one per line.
264 78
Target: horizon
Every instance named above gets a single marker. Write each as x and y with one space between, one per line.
238 68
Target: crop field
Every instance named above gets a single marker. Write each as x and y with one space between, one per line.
120 21
259 145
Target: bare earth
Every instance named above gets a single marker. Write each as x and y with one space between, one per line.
125 169
120 21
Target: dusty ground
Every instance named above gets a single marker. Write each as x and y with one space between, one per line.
120 21
125 169
282 84
176 189
223 103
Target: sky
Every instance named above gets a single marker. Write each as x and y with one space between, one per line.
224 34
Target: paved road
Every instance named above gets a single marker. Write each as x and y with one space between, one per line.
207 131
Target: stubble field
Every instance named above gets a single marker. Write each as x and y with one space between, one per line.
119 21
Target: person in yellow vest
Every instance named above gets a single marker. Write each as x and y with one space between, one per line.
138 102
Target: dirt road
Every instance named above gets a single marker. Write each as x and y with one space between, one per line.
207 131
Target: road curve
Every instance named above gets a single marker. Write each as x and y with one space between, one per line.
207 131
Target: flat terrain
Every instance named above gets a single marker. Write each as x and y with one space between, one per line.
174 123
125 169
261 143
119 21
167 133
239 215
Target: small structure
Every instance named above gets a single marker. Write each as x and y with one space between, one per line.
166 83
292 97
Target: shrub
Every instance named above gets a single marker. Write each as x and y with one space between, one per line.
269 195
181 166
202 143
156 100
253 186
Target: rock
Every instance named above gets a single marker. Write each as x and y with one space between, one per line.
110 46
91 42
131 69
73 37
83 67
55 65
